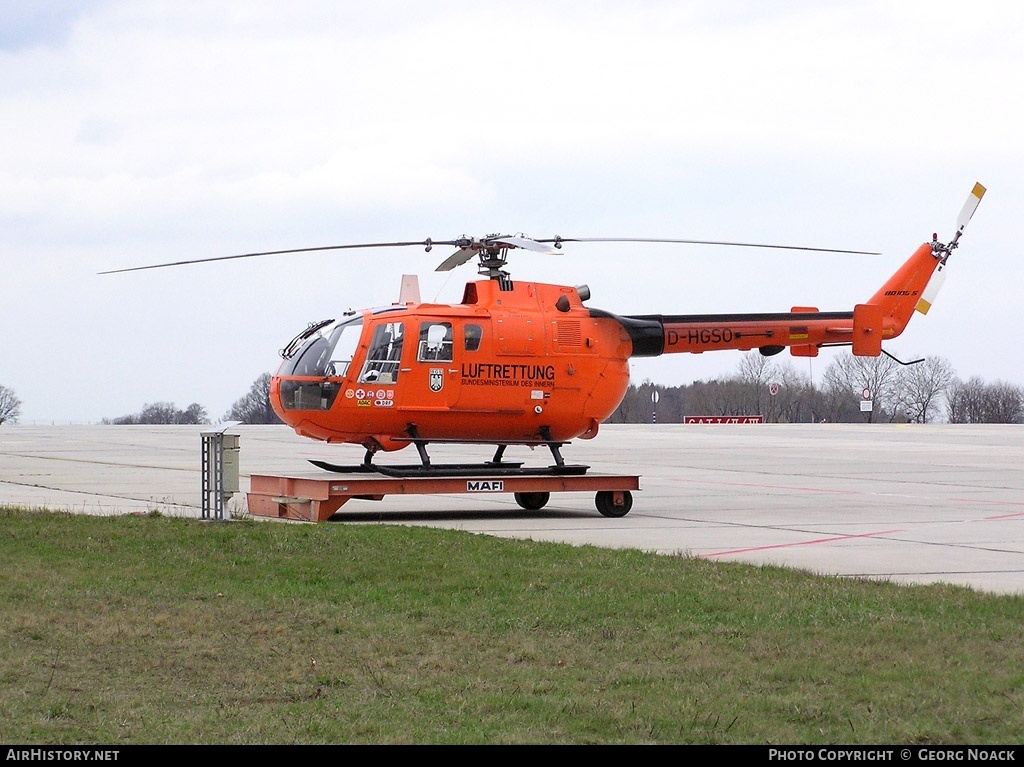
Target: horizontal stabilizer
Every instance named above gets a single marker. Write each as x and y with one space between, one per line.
867 330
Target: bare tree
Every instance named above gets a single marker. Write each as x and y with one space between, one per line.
839 404
707 398
879 375
796 400
163 413
10 405
922 387
167 413
974 401
1006 403
965 401
722 396
194 413
756 371
255 406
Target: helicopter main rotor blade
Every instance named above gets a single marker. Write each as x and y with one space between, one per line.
524 242
558 240
458 258
469 247
428 244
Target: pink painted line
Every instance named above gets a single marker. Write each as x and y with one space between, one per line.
800 543
801 488
992 503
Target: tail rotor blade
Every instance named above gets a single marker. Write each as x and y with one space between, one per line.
973 199
931 290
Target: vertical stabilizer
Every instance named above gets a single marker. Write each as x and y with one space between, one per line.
410 291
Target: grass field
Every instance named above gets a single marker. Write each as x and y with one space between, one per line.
159 630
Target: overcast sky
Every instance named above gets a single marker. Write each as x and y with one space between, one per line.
140 132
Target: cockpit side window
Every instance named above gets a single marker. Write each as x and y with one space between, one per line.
435 342
384 356
473 334
344 341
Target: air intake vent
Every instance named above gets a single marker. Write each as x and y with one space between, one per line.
569 333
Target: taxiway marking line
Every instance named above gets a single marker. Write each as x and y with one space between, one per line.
814 542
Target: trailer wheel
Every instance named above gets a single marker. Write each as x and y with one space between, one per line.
605 502
532 501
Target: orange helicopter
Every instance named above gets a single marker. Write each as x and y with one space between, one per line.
526 363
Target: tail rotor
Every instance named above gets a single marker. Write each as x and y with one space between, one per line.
943 251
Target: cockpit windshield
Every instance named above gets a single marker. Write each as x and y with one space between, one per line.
327 352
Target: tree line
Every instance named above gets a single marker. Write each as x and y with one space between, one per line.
253 408
924 392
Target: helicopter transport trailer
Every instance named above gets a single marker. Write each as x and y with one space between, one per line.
316 499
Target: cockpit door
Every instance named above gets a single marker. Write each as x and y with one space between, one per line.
434 379
379 381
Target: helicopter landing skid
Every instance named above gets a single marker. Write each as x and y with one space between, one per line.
494 467
454 469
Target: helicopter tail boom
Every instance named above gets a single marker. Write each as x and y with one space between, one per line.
803 329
